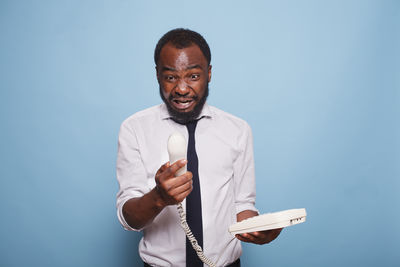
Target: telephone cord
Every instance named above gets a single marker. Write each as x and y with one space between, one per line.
192 239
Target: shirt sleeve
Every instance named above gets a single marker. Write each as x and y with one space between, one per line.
131 173
244 174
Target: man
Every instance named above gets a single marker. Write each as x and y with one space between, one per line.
222 183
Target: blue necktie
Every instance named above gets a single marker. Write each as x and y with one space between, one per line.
193 200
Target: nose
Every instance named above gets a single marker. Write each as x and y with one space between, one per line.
182 88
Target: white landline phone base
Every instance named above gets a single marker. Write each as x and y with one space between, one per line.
269 221
177 149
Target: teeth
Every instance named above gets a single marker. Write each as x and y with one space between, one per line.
183 104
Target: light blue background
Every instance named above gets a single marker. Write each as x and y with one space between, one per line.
318 81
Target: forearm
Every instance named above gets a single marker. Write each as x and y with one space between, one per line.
138 212
243 215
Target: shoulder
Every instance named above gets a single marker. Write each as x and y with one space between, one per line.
142 121
228 119
148 114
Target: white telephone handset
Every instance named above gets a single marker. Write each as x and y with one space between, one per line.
177 150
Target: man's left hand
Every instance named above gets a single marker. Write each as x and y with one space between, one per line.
259 237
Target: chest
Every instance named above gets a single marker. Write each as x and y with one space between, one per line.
216 151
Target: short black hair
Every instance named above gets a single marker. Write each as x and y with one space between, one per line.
182 38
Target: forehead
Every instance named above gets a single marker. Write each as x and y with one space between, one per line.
177 58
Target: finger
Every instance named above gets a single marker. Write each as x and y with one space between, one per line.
264 237
177 165
242 238
249 237
162 168
180 197
175 182
257 238
170 171
255 234
185 187
270 234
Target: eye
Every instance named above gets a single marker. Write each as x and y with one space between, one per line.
169 78
194 77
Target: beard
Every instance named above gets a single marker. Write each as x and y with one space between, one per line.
185 117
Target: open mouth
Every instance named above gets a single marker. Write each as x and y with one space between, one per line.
182 103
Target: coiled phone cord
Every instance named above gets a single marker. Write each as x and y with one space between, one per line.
192 239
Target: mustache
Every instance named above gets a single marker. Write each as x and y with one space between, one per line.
172 97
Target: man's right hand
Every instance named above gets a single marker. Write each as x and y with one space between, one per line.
173 190
169 190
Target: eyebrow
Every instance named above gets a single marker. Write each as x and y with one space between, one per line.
167 69
197 66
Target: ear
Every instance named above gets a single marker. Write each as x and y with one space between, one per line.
157 76
209 73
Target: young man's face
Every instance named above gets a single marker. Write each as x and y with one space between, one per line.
183 76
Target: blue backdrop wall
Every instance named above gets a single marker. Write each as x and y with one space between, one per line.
318 81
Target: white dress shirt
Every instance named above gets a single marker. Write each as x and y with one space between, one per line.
224 147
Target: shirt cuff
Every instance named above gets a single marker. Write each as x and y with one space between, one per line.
121 217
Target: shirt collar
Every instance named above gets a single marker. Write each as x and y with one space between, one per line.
205 112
